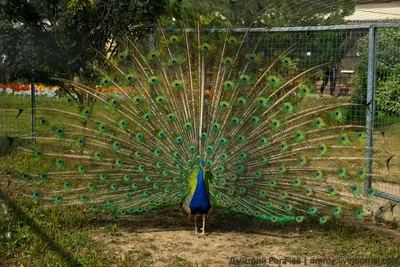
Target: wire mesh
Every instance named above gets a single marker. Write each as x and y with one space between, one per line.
345 53
387 111
341 54
15 117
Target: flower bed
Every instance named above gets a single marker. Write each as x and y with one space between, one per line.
25 89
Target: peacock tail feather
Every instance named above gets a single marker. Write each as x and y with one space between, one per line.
271 148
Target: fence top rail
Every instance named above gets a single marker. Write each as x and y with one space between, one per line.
293 29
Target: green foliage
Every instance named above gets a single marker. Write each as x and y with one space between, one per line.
388 94
268 13
59 38
387 71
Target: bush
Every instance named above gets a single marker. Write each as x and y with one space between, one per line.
387 95
387 69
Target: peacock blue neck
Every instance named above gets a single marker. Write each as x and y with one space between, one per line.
200 202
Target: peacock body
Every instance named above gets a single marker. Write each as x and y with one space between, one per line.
202 120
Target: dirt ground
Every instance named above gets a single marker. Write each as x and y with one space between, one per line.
168 240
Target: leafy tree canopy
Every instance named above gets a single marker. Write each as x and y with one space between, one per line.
269 13
58 38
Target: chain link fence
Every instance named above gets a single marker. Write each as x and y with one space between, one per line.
385 93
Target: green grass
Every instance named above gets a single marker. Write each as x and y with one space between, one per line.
339 241
72 236
47 237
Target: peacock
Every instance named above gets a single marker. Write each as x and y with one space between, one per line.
200 119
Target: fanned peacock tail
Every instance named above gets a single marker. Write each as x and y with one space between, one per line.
271 148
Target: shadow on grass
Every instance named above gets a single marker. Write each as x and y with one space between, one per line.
67 257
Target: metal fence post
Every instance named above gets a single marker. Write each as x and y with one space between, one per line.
33 104
370 112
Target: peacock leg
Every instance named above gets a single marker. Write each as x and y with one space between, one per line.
203 229
195 224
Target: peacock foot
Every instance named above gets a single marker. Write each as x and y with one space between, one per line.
202 235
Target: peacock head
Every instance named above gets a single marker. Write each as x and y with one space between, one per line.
202 163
